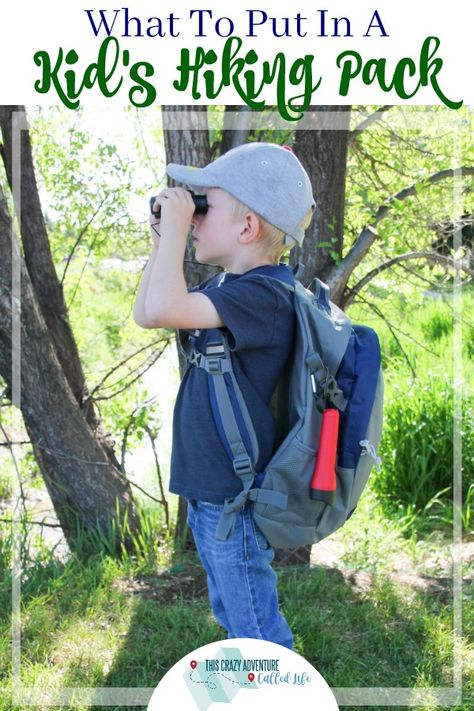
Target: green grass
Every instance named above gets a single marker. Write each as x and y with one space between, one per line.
109 622
83 624
370 637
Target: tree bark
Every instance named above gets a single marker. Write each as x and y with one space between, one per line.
42 272
83 484
323 152
236 129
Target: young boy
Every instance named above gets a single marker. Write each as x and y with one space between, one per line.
259 203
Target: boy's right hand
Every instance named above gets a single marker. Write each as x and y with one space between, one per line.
176 212
154 225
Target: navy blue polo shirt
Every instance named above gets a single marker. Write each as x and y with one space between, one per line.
259 320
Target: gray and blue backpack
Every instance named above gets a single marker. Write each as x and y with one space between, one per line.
305 492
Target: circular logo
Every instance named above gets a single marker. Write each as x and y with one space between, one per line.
248 674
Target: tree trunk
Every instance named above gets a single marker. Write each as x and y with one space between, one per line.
83 484
324 155
42 272
186 135
236 127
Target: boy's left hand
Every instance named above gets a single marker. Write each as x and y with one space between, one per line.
177 209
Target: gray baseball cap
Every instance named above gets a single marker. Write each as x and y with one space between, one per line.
268 178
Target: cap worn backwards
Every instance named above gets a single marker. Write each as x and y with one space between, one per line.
268 178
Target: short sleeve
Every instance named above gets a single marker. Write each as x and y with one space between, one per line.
248 307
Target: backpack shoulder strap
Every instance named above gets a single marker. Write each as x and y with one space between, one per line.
235 429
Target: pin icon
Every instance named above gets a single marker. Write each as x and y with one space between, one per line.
193 664
251 676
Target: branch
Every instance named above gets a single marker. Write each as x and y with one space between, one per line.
392 330
339 276
78 282
400 138
372 118
164 501
429 256
10 443
139 372
33 523
133 483
417 277
359 150
15 464
150 161
79 239
411 190
65 455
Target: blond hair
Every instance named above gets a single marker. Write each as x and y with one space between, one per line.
271 237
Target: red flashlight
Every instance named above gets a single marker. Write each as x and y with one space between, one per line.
323 481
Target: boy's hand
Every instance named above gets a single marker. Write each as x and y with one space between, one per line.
177 209
155 225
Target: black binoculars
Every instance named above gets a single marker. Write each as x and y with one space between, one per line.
200 202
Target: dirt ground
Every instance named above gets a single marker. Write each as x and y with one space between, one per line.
187 581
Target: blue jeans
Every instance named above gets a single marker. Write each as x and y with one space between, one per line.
240 580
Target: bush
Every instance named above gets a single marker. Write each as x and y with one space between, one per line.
417 446
438 325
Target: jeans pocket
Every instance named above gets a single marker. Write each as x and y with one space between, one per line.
211 507
258 536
